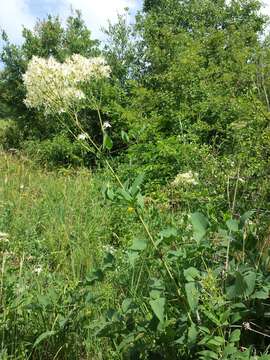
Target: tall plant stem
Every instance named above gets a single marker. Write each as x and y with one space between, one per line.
73 114
156 248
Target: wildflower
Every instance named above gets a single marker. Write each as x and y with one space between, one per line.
246 326
38 269
185 178
109 248
55 86
82 136
4 236
130 209
106 125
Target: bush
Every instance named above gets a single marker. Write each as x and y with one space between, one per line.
59 151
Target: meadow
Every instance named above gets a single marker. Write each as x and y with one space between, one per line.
75 267
134 186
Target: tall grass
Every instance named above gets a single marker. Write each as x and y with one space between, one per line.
59 216
57 303
54 228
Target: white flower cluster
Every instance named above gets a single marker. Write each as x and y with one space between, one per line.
106 125
82 136
4 237
81 69
185 178
109 249
38 269
55 86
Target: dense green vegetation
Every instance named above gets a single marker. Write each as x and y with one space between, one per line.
136 224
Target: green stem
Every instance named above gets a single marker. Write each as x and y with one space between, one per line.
167 268
73 113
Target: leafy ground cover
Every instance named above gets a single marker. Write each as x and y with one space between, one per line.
81 278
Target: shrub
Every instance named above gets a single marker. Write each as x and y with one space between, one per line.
59 151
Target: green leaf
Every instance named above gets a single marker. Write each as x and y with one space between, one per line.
204 329
126 304
155 294
250 280
63 321
96 275
229 350
132 257
213 342
262 294
135 187
44 336
157 284
232 225
169 232
244 285
126 342
212 317
107 142
235 336
192 295
43 300
157 288
158 307
208 355
238 288
108 261
109 194
140 201
181 340
124 136
192 334
139 244
246 216
124 195
200 225
191 274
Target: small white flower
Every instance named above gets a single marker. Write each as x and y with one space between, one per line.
106 125
55 86
37 269
109 248
82 136
185 178
246 325
4 236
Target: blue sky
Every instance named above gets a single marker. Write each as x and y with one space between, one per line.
15 13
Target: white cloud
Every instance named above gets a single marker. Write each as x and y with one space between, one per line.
266 8
14 14
97 12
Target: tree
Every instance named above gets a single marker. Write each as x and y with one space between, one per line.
200 60
149 5
119 49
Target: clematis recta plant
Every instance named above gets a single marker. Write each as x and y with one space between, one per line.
57 88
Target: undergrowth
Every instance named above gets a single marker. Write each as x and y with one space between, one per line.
83 278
